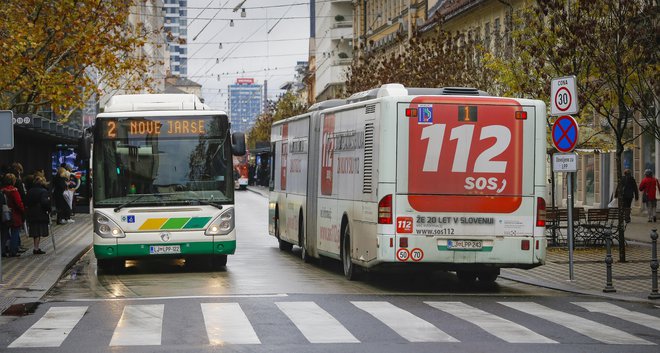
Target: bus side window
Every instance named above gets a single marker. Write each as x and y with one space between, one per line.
271 182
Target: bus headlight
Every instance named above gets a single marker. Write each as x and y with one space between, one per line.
222 225
106 228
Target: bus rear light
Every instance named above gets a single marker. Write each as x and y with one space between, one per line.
385 210
411 112
537 245
521 115
403 242
391 242
524 244
540 212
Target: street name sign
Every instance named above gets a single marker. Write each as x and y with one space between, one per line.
563 96
6 130
565 133
564 162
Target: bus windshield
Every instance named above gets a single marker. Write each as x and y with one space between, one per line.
162 161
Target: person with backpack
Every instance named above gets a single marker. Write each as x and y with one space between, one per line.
38 208
648 188
18 211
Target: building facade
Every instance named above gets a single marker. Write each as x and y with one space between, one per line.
176 29
334 47
383 26
245 104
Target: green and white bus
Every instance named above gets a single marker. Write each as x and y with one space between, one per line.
163 180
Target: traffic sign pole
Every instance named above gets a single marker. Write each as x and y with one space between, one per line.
565 137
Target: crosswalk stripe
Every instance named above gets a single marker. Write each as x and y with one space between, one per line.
227 323
404 323
621 313
52 329
495 325
316 324
139 325
586 327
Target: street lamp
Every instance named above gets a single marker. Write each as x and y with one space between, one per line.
231 23
220 46
243 13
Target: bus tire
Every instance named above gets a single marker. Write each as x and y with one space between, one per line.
220 261
301 240
283 245
466 276
110 266
488 276
350 271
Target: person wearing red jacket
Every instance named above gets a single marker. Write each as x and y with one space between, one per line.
18 212
648 187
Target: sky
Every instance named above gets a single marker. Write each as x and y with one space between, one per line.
264 45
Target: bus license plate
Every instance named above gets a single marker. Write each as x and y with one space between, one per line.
164 249
464 244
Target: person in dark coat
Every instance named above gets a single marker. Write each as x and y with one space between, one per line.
38 208
628 191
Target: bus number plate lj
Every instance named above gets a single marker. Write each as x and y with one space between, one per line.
164 249
464 244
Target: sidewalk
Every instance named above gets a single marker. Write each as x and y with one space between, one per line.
27 278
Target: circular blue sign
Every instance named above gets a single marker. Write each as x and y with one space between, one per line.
565 133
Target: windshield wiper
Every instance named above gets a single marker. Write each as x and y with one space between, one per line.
204 202
116 209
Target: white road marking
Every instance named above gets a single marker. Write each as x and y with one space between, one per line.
621 313
316 324
180 297
140 325
589 328
227 323
495 325
404 323
52 329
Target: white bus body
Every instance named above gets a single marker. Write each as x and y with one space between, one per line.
163 180
448 178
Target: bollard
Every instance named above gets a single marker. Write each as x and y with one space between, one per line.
654 265
608 262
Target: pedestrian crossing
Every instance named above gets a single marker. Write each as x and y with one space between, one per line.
232 323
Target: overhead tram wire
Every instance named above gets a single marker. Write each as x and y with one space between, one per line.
200 13
252 41
208 23
248 56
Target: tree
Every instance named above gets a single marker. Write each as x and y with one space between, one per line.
610 45
287 106
48 46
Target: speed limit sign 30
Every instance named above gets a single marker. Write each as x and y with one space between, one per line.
563 96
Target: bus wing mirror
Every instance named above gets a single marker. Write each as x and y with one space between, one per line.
238 144
85 144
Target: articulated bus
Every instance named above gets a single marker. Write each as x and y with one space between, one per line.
413 178
163 180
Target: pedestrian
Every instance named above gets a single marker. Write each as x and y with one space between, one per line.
18 212
17 170
4 226
628 192
60 181
648 187
38 212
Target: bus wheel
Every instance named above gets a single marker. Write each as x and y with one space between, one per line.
110 266
284 245
219 261
488 276
466 276
349 268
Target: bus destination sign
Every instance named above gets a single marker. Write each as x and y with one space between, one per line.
161 127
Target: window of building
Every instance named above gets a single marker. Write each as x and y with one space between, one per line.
648 151
487 36
589 180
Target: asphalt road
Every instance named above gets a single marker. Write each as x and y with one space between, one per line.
270 301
